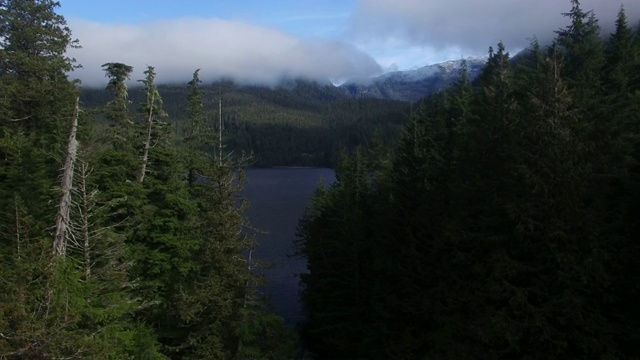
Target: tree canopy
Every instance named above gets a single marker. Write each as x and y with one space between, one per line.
506 226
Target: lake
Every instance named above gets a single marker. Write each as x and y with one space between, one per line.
278 198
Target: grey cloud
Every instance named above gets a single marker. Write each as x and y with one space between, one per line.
232 49
474 25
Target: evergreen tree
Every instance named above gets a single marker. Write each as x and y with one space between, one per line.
37 99
117 110
583 53
199 138
198 130
620 56
616 178
152 109
36 107
503 229
337 235
24 259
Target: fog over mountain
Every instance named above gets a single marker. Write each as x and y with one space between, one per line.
245 52
378 36
413 85
469 27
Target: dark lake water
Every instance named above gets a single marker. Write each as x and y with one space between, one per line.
278 198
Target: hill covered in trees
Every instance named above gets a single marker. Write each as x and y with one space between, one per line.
299 123
504 226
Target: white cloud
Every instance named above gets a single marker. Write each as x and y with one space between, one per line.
221 48
398 34
406 56
471 26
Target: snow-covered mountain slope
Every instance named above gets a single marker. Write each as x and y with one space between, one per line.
413 85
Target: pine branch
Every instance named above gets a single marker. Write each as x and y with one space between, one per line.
21 119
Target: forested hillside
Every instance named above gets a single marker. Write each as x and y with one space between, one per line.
298 123
505 226
500 222
118 239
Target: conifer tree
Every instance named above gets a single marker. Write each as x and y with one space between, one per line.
37 105
508 226
152 109
583 54
197 129
118 109
337 235
199 138
117 161
620 57
37 97
210 301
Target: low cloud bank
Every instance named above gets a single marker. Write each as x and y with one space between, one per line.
221 48
471 26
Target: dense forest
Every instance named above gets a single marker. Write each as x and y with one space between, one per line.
505 225
499 225
298 123
118 239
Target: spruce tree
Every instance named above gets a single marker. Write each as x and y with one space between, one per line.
152 110
199 131
37 97
337 238
620 57
583 54
211 300
508 226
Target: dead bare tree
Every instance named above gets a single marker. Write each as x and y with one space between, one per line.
147 142
62 219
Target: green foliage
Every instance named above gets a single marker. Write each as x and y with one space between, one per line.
198 130
117 110
153 101
337 230
265 336
37 100
118 74
505 227
583 54
304 124
154 268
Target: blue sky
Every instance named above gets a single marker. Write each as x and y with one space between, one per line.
302 17
263 41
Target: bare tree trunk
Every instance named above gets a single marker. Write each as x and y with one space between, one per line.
84 213
62 220
220 129
18 216
147 143
17 223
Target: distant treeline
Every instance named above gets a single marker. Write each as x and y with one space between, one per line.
504 226
299 123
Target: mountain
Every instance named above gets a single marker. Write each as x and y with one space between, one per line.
298 123
301 122
412 85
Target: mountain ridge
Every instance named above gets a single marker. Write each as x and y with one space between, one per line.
413 85
400 85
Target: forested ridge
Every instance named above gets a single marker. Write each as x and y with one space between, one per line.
118 238
504 226
298 123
